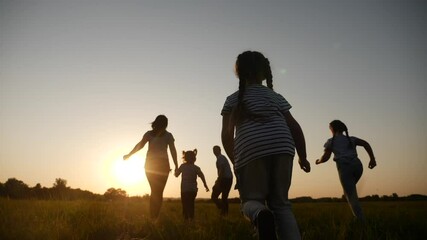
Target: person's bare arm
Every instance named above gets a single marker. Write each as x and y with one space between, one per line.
368 148
325 157
174 154
298 136
227 137
137 147
177 172
202 176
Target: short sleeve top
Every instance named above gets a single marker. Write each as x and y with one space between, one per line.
157 154
342 148
268 133
223 167
189 177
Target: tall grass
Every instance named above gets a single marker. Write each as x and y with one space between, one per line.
124 220
384 220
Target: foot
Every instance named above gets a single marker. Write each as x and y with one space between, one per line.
265 225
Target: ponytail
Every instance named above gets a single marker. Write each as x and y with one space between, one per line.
268 75
338 126
249 64
350 143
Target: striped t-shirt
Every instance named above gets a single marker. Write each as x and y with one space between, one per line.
267 133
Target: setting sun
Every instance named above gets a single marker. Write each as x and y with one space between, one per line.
129 172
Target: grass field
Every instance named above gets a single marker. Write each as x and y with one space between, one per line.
123 220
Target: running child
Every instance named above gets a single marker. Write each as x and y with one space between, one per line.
259 135
348 164
190 172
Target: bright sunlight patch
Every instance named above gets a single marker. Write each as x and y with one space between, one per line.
129 172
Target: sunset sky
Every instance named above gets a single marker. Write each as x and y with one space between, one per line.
81 81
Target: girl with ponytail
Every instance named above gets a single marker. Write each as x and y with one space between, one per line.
260 135
348 164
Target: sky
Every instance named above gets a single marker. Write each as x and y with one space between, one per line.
81 82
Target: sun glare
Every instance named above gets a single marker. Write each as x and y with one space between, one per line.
129 172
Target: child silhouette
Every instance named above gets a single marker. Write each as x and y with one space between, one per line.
259 135
190 172
349 166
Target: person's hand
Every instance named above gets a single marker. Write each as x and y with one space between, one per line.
318 161
126 157
372 164
305 165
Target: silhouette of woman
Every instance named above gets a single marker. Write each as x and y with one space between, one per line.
157 166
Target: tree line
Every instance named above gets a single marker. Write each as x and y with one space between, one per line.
369 198
17 189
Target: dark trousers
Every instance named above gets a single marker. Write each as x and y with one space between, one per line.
222 186
157 183
187 199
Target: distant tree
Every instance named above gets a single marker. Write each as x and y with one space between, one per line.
395 196
60 183
146 196
60 189
303 199
36 191
372 198
15 188
115 194
325 199
416 197
2 190
385 198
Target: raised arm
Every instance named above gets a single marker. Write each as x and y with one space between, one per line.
367 146
227 137
137 147
325 157
299 140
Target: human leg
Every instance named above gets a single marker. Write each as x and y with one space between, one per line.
184 201
349 175
225 190
187 199
216 191
280 182
157 184
253 189
191 204
358 170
